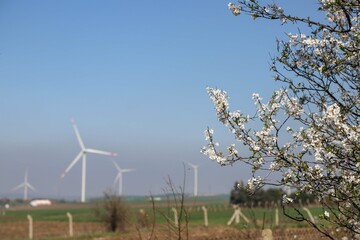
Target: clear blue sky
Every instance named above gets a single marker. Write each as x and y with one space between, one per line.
134 75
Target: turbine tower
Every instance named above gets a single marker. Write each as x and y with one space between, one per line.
119 177
195 167
82 154
25 185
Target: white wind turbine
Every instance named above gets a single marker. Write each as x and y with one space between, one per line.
25 185
195 167
119 177
82 154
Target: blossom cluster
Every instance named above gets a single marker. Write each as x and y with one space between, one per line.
234 9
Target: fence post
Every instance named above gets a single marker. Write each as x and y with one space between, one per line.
243 216
175 216
235 216
310 215
30 226
71 233
206 222
276 217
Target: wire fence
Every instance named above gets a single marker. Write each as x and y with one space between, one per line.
258 226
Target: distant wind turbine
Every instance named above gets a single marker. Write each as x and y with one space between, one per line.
195 167
25 185
119 177
82 154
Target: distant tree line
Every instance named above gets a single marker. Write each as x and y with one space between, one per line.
264 197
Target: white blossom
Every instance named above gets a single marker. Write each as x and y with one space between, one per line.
254 182
208 133
274 166
286 199
234 9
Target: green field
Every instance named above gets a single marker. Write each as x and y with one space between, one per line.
158 214
219 212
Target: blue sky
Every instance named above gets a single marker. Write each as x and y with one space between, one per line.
133 74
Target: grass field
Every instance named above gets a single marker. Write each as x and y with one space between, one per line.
51 222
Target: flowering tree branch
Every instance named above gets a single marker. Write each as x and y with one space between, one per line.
309 130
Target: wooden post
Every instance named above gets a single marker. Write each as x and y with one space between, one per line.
233 216
30 226
206 221
71 232
310 215
176 222
276 217
243 216
236 216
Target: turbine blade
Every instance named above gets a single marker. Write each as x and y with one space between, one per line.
116 166
31 187
127 170
72 164
78 135
18 187
90 150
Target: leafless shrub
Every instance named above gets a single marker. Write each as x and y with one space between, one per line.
113 212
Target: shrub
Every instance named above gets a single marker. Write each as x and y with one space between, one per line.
113 212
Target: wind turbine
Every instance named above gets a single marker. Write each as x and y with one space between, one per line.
82 154
196 167
119 178
25 185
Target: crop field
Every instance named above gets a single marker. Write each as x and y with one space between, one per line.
155 222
